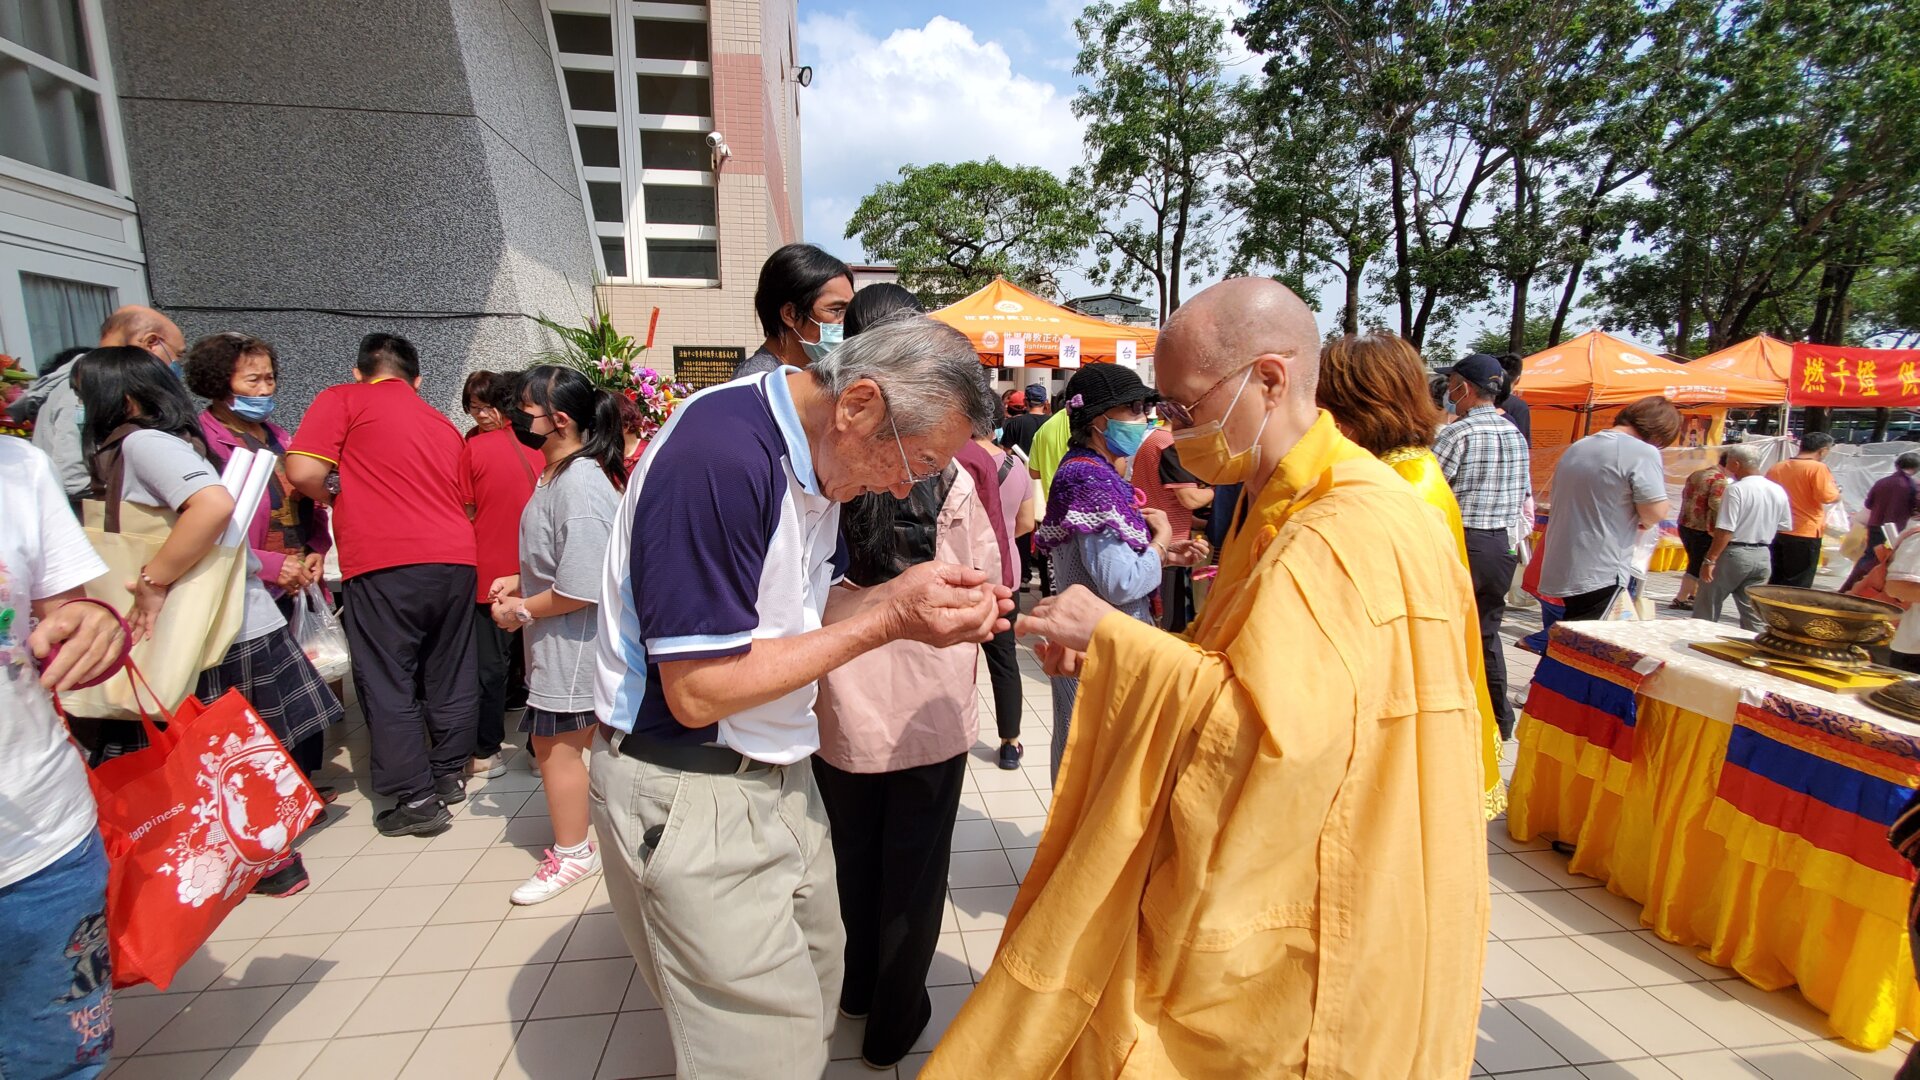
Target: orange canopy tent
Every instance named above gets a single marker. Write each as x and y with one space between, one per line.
1596 370
1762 358
1579 385
1004 311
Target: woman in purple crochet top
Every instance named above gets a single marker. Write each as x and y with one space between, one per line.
1096 533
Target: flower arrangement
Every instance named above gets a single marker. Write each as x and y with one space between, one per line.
13 382
617 363
657 396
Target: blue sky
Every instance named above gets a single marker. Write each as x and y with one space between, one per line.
921 82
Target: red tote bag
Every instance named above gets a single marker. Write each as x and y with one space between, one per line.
191 824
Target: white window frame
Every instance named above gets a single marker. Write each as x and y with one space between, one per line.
101 85
128 283
634 231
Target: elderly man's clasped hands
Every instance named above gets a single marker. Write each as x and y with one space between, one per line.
942 604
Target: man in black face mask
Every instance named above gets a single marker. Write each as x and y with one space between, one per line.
407 551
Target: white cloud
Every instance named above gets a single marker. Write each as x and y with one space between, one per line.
932 94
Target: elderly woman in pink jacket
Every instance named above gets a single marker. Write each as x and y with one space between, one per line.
896 725
237 374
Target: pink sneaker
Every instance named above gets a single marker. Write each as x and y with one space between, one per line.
556 875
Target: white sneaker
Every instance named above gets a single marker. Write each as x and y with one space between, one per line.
489 767
556 875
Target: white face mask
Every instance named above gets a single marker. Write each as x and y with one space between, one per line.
831 334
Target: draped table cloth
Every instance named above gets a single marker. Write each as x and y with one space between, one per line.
1746 813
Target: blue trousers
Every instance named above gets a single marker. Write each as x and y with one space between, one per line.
56 985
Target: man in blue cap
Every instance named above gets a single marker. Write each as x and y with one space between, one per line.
1020 428
1486 462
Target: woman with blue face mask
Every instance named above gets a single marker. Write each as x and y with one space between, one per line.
238 374
1096 530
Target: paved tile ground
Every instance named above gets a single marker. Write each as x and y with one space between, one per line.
404 959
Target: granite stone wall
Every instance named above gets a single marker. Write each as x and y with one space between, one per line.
313 172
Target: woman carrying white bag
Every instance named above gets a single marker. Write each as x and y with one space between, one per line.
140 423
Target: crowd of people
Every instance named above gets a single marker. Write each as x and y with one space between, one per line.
743 656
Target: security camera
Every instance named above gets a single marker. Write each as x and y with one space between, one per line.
715 140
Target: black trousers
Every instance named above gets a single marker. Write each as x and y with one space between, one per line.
410 630
1795 560
892 834
1590 605
1491 562
501 661
1176 598
1003 670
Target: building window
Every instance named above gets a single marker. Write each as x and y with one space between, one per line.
677 150
613 251
648 64
590 91
659 39
599 147
588 35
605 196
683 258
58 113
62 314
675 205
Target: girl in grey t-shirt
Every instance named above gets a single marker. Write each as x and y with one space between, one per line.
563 543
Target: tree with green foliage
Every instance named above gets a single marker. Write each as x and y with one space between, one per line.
1775 204
1156 103
951 229
1311 202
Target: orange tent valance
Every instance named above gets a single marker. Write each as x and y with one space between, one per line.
1596 370
1004 310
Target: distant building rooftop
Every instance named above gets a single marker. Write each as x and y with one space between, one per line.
1116 308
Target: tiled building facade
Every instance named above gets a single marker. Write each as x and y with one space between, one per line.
703 105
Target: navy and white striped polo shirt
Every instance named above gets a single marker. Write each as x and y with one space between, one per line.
726 539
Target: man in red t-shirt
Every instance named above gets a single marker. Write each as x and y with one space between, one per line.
407 556
497 475
1178 493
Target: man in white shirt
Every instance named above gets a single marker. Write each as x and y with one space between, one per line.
1752 512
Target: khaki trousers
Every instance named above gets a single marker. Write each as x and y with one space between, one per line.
732 914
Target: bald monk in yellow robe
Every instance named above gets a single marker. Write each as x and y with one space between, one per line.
1265 855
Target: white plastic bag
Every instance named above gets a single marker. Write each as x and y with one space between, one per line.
1643 549
320 634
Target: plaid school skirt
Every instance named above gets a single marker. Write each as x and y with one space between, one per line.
546 724
277 679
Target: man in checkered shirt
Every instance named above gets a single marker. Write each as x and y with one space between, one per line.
1486 462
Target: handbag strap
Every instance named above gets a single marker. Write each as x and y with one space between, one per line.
110 454
522 459
156 735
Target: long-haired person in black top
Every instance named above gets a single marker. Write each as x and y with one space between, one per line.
142 438
563 543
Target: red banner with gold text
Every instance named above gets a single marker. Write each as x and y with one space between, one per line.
1854 378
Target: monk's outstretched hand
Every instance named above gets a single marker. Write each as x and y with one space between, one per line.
1067 619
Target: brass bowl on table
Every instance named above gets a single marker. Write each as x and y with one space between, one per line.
1825 627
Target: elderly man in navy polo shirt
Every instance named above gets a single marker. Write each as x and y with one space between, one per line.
715 625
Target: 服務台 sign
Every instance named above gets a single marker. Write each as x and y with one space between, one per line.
701 366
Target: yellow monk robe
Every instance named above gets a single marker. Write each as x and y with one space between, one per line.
1417 466
1265 857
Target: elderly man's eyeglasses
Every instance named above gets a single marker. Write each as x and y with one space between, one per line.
912 477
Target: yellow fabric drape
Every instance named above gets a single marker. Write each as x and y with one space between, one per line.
1418 467
1262 859
1644 831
